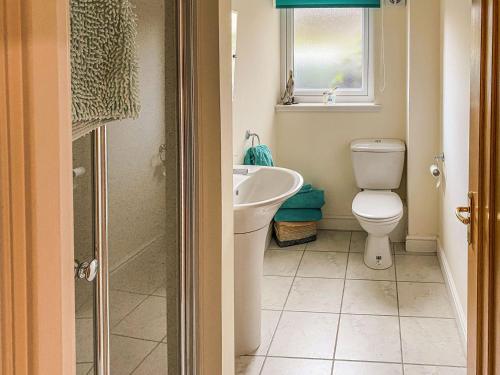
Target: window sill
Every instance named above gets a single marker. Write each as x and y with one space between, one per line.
338 107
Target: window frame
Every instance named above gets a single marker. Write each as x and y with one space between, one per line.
363 95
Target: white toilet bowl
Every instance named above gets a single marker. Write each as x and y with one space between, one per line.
378 168
378 213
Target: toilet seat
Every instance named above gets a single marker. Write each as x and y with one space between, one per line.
378 206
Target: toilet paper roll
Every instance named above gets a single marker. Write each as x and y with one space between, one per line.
436 173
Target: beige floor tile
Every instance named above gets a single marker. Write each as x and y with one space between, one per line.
127 353
431 341
370 297
366 368
84 340
422 268
275 291
270 319
281 262
121 304
155 364
249 365
368 338
305 335
84 299
433 370
86 310
329 240
161 291
274 245
323 264
358 240
83 368
424 299
84 293
296 366
148 321
143 274
356 269
399 248
315 295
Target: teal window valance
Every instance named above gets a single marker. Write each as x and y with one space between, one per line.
327 4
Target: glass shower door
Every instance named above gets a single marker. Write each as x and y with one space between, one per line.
126 217
84 239
121 305
91 267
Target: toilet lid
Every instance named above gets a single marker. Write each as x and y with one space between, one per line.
377 205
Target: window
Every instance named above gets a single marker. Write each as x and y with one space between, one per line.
326 49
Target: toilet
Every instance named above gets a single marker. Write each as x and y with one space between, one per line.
378 168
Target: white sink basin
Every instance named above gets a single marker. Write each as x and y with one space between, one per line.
259 194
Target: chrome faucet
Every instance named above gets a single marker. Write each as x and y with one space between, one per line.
241 171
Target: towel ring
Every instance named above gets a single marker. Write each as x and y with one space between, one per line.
249 134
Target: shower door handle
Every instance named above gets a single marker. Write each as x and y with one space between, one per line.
87 270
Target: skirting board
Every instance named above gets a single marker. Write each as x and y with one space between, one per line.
350 223
340 222
452 290
421 244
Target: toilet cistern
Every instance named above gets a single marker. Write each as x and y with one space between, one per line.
378 168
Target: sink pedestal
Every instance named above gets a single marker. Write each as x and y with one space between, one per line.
248 271
257 196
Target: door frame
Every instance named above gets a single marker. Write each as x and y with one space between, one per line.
483 343
36 271
37 314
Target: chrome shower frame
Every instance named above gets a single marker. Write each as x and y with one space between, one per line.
188 187
100 160
186 337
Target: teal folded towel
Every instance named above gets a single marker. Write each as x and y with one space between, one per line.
295 215
305 188
307 197
259 155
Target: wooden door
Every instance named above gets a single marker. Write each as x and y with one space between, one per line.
484 256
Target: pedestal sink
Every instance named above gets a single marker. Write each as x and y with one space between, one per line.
258 192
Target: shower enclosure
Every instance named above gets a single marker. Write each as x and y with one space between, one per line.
131 261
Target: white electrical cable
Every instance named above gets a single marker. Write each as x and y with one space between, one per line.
382 51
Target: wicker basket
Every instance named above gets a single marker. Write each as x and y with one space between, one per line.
294 233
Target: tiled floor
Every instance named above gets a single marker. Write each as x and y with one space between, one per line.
324 312
137 316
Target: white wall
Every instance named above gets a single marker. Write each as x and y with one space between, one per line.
228 365
423 122
455 36
136 188
317 143
257 76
